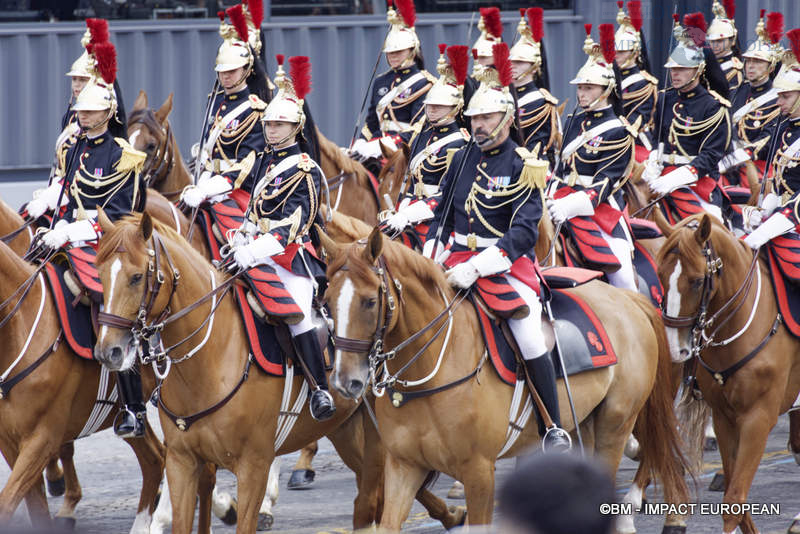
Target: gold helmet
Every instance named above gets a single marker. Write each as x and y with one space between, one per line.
528 47
766 46
449 88
402 35
788 79
722 27
493 94
491 28
287 105
235 51
99 94
628 37
687 51
599 66
96 32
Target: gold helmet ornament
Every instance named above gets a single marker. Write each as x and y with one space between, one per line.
449 88
493 94
235 51
766 46
99 94
96 32
788 79
689 39
528 47
491 28
402 35
287 106
628 37
254 15
722 26
599 66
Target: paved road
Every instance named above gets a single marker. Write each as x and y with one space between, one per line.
111 480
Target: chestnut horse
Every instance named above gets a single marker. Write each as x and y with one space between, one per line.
709 276
461 430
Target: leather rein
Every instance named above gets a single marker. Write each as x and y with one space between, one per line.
701 322
163 160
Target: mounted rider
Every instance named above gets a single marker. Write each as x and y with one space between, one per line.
778 212
755 107
100 171
639 87
722 38
433 147
275 235
496 207
233 139
396 97
695 130
537 108
585 193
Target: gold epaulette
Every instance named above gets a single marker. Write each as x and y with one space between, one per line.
548 97
465 134
737 63
130 158
633 129
534 172
305 164
449 158
257 104
719 98
431 78
649 77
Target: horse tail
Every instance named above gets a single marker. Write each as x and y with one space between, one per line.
656 426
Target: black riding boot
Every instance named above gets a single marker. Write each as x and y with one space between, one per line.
130 420
321 402
543 376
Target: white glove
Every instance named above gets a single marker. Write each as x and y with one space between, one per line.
572 205
734 159
683 175
441 252
195 150
243 235
413 213
397 222
770 203
367 149
463 275
776 225
45 200
652 170
207 187
490 261
753 217
72 232
257 252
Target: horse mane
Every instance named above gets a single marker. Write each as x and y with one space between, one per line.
16 265
126 236
344 163
682 239
145 116
393 162
344 228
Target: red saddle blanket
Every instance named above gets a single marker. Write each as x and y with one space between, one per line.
783 258
75 318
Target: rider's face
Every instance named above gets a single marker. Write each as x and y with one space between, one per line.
396 59
77 85
277 131
436 112
229 78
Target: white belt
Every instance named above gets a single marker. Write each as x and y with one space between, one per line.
430 190
584 179
675 159
92 214
479 242
394 126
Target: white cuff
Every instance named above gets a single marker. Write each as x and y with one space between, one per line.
776 225
265 246
81 231
216 185
417 212
490 261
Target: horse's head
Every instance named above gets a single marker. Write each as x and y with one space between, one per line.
360 303
148 131
391 175
130 279
690 268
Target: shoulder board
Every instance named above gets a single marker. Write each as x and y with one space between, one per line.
257 104
737 63
130 158
449 156
633 129
306 163
465 134
428 75
548 96
719 98
649 77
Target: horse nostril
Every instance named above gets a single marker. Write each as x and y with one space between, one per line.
115 357
684 353
354 387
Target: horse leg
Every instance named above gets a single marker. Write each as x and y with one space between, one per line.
402 481
149 453
478 479
449 516
73 494
265 517
302 473
224 506
36 502
794 435
183 473
26 472
251 482
54 476
205 486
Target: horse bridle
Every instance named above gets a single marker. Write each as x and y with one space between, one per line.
162 163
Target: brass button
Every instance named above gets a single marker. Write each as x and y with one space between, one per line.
385 115
588 123
483 164
397 80
223 107
435 138
471 220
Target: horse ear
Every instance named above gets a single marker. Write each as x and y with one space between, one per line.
374 247
385 150
141 100
102 219
164 110
406 149
331 247
146 226
662 223
703 231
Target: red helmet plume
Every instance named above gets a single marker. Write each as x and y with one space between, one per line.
607 42
775 26
502 64
794 41
256 9
442 48
536 22
492 22
730 7
459 59
696 27
98 29
236 15
300 72
407 11
279 58
106 56
635 14
588 28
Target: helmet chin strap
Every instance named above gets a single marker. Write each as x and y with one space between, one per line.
99 124
631 61
603 97
531 70
698 70
292 135
449 117
490 139
795 106
245 74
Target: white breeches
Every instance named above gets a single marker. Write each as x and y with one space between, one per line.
625 277
528 330
301 288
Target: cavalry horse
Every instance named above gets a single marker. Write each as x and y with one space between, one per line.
717 290
380 296
215 376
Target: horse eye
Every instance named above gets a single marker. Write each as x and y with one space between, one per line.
696 283
135 279
150 147
369 303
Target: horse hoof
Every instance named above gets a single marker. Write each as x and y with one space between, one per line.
710 444
65 524
265 522
796 458
718 483
301 479
673 529
457 491
459 514
56 488
795 528
232 515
